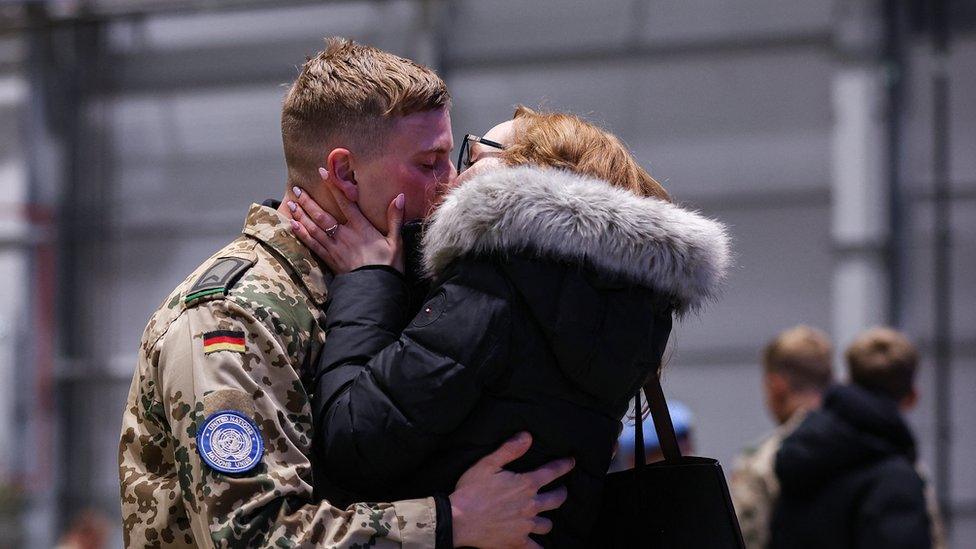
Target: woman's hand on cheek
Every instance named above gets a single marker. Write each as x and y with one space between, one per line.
311 233
352 245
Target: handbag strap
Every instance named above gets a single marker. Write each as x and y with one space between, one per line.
662 423
639 453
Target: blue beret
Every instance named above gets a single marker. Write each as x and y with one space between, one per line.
680 416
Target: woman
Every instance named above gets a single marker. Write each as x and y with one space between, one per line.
557 264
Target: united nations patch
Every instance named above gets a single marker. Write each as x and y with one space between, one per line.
230 442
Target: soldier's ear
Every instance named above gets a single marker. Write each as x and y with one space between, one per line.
339 164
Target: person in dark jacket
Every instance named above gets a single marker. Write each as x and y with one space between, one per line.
847 474
557 266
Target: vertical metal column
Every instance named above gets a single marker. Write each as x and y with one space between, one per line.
942 302
859 193
21 244
431 30
66 66
44 146
893 59
85 212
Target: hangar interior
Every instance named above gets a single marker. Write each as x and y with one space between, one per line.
835 138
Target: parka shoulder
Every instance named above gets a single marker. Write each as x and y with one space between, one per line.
556 214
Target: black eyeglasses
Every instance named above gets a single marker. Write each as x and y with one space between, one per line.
464 155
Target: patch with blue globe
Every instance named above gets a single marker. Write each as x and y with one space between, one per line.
230 442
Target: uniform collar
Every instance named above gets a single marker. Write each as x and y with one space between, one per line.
273 229
794 421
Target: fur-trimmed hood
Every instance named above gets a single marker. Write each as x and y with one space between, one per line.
564 216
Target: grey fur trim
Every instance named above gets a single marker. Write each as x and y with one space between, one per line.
565 216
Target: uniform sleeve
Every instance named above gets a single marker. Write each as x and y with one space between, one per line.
269 505
751 499
936 524
383 394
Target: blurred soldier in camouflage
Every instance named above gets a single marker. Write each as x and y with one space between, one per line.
217 431
849 474
796 372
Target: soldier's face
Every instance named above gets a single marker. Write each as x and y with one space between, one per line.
416 162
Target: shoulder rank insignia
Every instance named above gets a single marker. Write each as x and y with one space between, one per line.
218 278
230 442
223 340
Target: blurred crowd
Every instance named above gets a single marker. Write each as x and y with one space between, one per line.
841 459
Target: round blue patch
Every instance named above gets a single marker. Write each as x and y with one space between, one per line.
230 442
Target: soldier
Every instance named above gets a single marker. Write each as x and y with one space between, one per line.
217 430
796 372
849 473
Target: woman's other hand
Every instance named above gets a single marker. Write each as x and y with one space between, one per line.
357 243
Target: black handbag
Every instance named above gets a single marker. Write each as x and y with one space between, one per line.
681 502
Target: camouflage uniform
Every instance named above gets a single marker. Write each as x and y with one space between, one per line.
170 497
754 486
936 525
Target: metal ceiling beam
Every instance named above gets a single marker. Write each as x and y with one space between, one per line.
240 65
207 68
108 12
668 51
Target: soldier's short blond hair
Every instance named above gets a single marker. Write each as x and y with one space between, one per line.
883 360
351 91
802 355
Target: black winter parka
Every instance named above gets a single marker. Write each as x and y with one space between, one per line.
552 302
848 479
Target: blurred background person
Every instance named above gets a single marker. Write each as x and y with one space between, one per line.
90 529
796 368
681 418
848 472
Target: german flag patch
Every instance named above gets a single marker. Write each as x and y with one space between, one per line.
223 340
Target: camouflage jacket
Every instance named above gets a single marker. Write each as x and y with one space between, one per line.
754 487
266 289
936 524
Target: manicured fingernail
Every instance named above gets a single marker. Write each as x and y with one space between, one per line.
324 173
297 191
292 206
294 225
399 201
